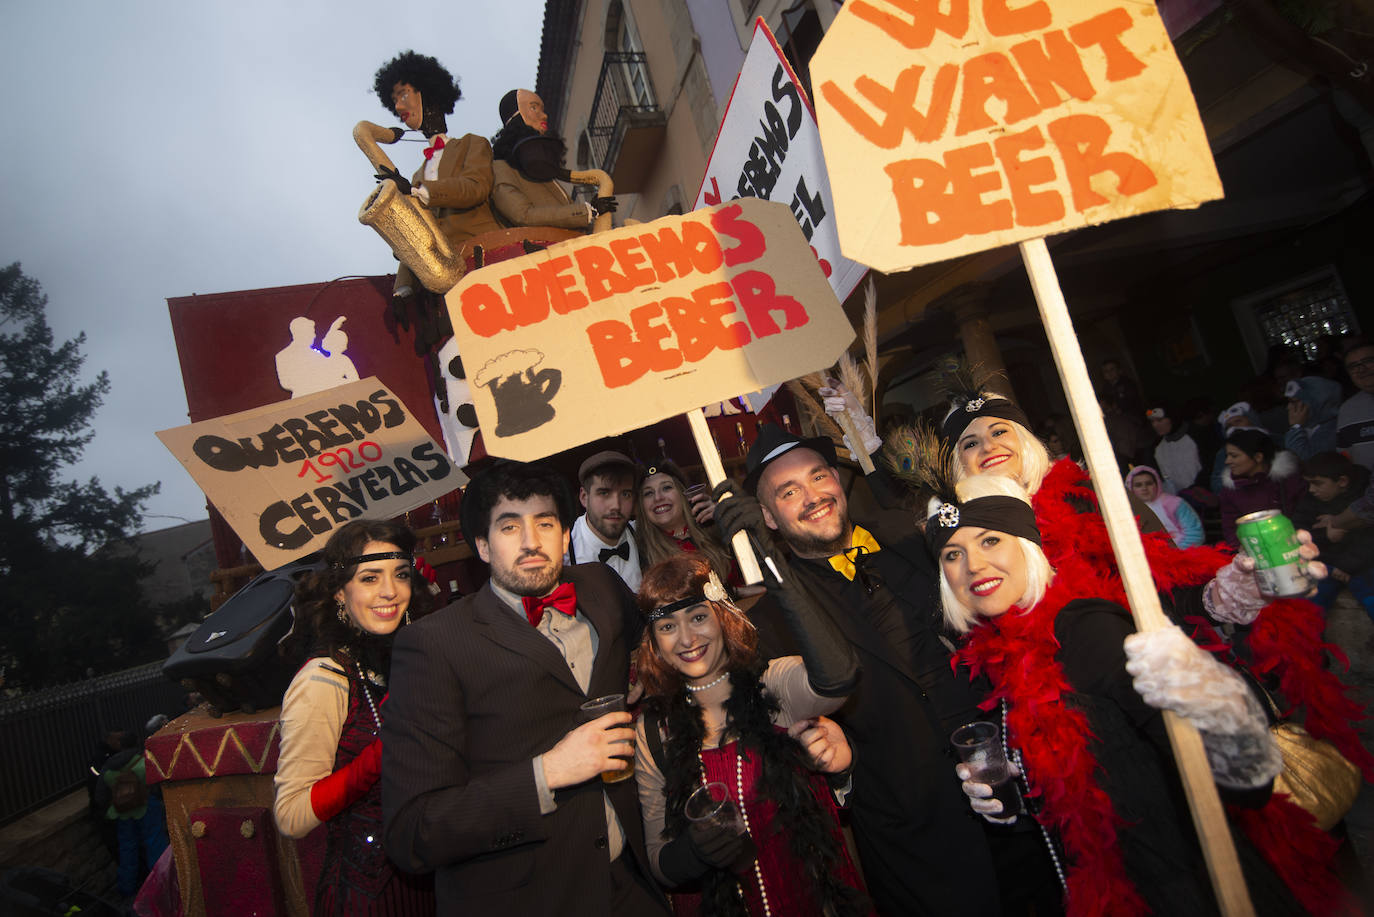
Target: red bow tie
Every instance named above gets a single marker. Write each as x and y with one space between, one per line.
434 148
563 599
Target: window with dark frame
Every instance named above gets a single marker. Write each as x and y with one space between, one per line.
1298 317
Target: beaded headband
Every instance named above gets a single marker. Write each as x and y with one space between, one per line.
999 513
381 555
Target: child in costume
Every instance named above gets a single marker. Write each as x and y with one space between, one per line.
1180 520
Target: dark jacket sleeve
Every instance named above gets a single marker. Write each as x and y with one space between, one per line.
436 811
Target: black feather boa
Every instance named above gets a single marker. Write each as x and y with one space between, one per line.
784 779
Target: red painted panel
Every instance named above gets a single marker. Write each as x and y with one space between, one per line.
227 344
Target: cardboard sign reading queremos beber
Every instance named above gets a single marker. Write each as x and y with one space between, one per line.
956 126
285 475
621 329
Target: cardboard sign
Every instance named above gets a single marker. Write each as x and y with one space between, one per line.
964 125
287 474
769 147
623 328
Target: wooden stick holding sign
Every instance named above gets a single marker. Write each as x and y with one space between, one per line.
1208 816
847 425
715 473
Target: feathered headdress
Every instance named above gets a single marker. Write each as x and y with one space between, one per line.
962 381
966 387
921 460
860 378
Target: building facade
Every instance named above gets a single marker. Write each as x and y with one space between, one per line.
1187 301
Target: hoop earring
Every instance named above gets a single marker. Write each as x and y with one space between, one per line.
340 611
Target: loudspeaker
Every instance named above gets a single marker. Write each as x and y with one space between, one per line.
233 659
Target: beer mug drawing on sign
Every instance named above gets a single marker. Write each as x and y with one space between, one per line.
522 392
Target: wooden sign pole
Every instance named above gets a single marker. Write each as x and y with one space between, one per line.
856 442
1208 815
715 473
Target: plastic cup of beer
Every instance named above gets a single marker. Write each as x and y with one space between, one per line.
598 707
710 804
698 496
979 745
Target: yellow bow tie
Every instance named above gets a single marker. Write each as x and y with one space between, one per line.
844 561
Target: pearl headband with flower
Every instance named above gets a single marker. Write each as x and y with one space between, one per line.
713 590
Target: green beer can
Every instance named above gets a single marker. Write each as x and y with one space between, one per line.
1268 537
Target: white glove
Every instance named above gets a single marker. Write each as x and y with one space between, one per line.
838 401
978 794
1173 673
1233 594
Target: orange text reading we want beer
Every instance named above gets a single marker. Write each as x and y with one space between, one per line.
1021 177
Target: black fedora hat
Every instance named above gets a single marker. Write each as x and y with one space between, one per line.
774 442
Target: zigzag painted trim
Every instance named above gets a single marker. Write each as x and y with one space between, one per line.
210 768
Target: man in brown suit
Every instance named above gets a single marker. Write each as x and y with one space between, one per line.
456 179
489 776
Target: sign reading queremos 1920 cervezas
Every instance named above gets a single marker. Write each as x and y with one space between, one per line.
286 475
621 329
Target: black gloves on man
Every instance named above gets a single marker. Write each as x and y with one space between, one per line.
831 665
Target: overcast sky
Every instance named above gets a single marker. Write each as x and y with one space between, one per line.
156 149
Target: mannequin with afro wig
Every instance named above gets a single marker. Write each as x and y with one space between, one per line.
454 181
437 86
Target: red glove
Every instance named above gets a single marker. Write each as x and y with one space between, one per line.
348 784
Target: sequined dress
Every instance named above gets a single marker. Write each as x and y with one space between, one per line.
356 877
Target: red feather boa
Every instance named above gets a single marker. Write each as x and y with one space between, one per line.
1017 651
1285 640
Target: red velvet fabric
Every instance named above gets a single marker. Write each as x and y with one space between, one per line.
784 880
198 745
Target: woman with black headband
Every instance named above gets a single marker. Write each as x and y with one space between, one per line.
331 752
717 713
989 435
1078 694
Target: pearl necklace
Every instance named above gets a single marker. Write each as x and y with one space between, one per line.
696 689
368 694
1015 755
744 814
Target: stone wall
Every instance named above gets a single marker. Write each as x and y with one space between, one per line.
64 838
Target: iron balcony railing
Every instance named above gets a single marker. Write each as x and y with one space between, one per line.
623 88
49 738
